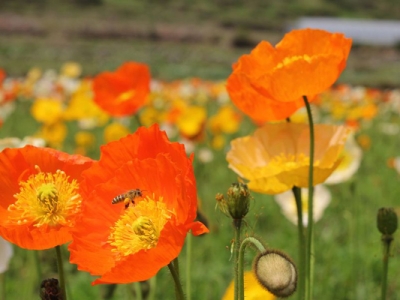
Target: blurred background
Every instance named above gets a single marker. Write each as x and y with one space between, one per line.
179 38
190 47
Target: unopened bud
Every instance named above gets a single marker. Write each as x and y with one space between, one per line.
386 221
276 272
50 290
237 201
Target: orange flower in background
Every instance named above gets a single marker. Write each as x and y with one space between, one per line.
269 83
277 156
134 239
40 200
124 91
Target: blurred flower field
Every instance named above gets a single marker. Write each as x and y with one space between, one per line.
58 108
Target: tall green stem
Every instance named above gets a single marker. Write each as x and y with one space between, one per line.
237 223
386 253
310 229
188 266
172 266
60 267
302 244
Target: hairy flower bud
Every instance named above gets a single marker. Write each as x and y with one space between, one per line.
237 202
386 221
276 272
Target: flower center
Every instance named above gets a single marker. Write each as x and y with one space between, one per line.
290 161
46 199
139 227
289 60
126 96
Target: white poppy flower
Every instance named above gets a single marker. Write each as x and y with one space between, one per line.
287 202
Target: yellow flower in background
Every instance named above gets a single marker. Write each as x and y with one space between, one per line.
150 115
276 157
191 121
82 108
350 163
252 289
287 202
227 120
218 142
47 110
54 134
71 69
84 140
114 132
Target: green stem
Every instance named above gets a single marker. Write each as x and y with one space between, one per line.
302 244
310 229
260 247
61 272
188 266
386 253
138 290
239 292
152 288
38 265
175 275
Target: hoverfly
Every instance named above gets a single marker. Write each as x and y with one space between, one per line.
128 197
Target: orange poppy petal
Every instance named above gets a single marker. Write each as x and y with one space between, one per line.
163 173
124 91
255 104
305 63
16 166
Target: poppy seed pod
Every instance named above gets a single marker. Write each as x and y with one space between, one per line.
237 202
386 221
276 272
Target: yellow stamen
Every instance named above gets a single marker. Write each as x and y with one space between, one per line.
290 60
46 199
139 227
126 96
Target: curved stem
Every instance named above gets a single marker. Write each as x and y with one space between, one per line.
61 272
310 228
260 247
175 275
302 245
386 253
188 265
238 293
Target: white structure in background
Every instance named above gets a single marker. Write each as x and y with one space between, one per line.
362 31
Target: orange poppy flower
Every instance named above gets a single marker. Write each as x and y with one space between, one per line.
40 199
151 182
269 83
277 156
124 91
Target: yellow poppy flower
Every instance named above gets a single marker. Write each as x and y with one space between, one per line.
276 157
252 289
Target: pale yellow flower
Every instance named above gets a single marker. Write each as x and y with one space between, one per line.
277 156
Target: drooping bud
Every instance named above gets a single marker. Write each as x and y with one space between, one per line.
386 221
276 272
237 202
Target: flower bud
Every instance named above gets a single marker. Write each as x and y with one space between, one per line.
237 202
386 221
276 272
49 289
